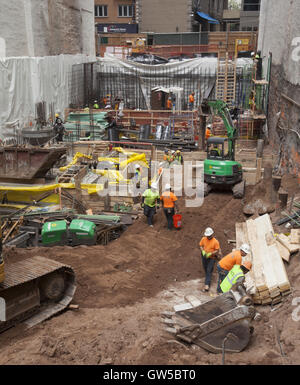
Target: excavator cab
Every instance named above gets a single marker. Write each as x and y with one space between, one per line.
220 168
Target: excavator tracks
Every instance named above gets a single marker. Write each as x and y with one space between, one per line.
34 290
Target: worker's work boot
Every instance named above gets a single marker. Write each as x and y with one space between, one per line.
206 288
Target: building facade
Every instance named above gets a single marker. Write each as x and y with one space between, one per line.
171 16
43 28
250 10
280 46
205 9
116 16
166 16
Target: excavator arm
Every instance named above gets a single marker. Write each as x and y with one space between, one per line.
220 108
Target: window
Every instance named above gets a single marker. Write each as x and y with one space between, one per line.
100 10
125 10
251 5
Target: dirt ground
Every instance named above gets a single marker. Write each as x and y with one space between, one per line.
122 289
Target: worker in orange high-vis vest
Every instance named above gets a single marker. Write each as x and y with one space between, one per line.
169 104
208 133
191 101
210 248
226 264
169 204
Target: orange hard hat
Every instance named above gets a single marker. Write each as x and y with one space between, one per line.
247 265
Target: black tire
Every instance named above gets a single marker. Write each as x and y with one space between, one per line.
239 190
52 287
207 189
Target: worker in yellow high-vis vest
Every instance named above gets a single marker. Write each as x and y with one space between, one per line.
236 275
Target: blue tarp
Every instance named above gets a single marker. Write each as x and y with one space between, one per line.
208 18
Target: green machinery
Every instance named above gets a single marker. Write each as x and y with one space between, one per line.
220 167
80 232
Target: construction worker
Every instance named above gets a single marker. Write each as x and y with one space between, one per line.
138 175
172 156
166 155
107 102
236 275
96 105
210 248
208 133
191 101
168 200
169 104
58 120
59 129
150 202
227 263
215 151
252 100
178 157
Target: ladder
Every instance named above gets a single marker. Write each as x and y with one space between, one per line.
226 80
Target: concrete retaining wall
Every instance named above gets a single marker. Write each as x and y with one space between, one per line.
44 27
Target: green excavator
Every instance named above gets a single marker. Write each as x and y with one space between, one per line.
220 168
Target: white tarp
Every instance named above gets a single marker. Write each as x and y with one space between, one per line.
25 81
207 63
199 75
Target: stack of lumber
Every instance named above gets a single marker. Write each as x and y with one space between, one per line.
268 278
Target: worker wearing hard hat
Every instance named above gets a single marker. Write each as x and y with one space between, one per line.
210 248
166 155
169 104
227 263
172 157
235 276
191 101
150 201
178 157
208 133
137 175
168 199
96 105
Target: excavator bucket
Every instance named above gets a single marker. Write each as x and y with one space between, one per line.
220 324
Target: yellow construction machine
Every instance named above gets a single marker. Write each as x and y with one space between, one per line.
138 45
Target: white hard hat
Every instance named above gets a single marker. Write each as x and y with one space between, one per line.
137 166
167 186
154 186
208 232
245 248
208 126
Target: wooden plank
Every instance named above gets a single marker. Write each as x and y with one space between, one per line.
194 301
292 248
278 267
283 251
273 258
295 236
257 263
184 306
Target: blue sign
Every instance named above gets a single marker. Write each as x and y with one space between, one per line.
117 28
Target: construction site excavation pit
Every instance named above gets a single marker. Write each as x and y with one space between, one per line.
123 288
